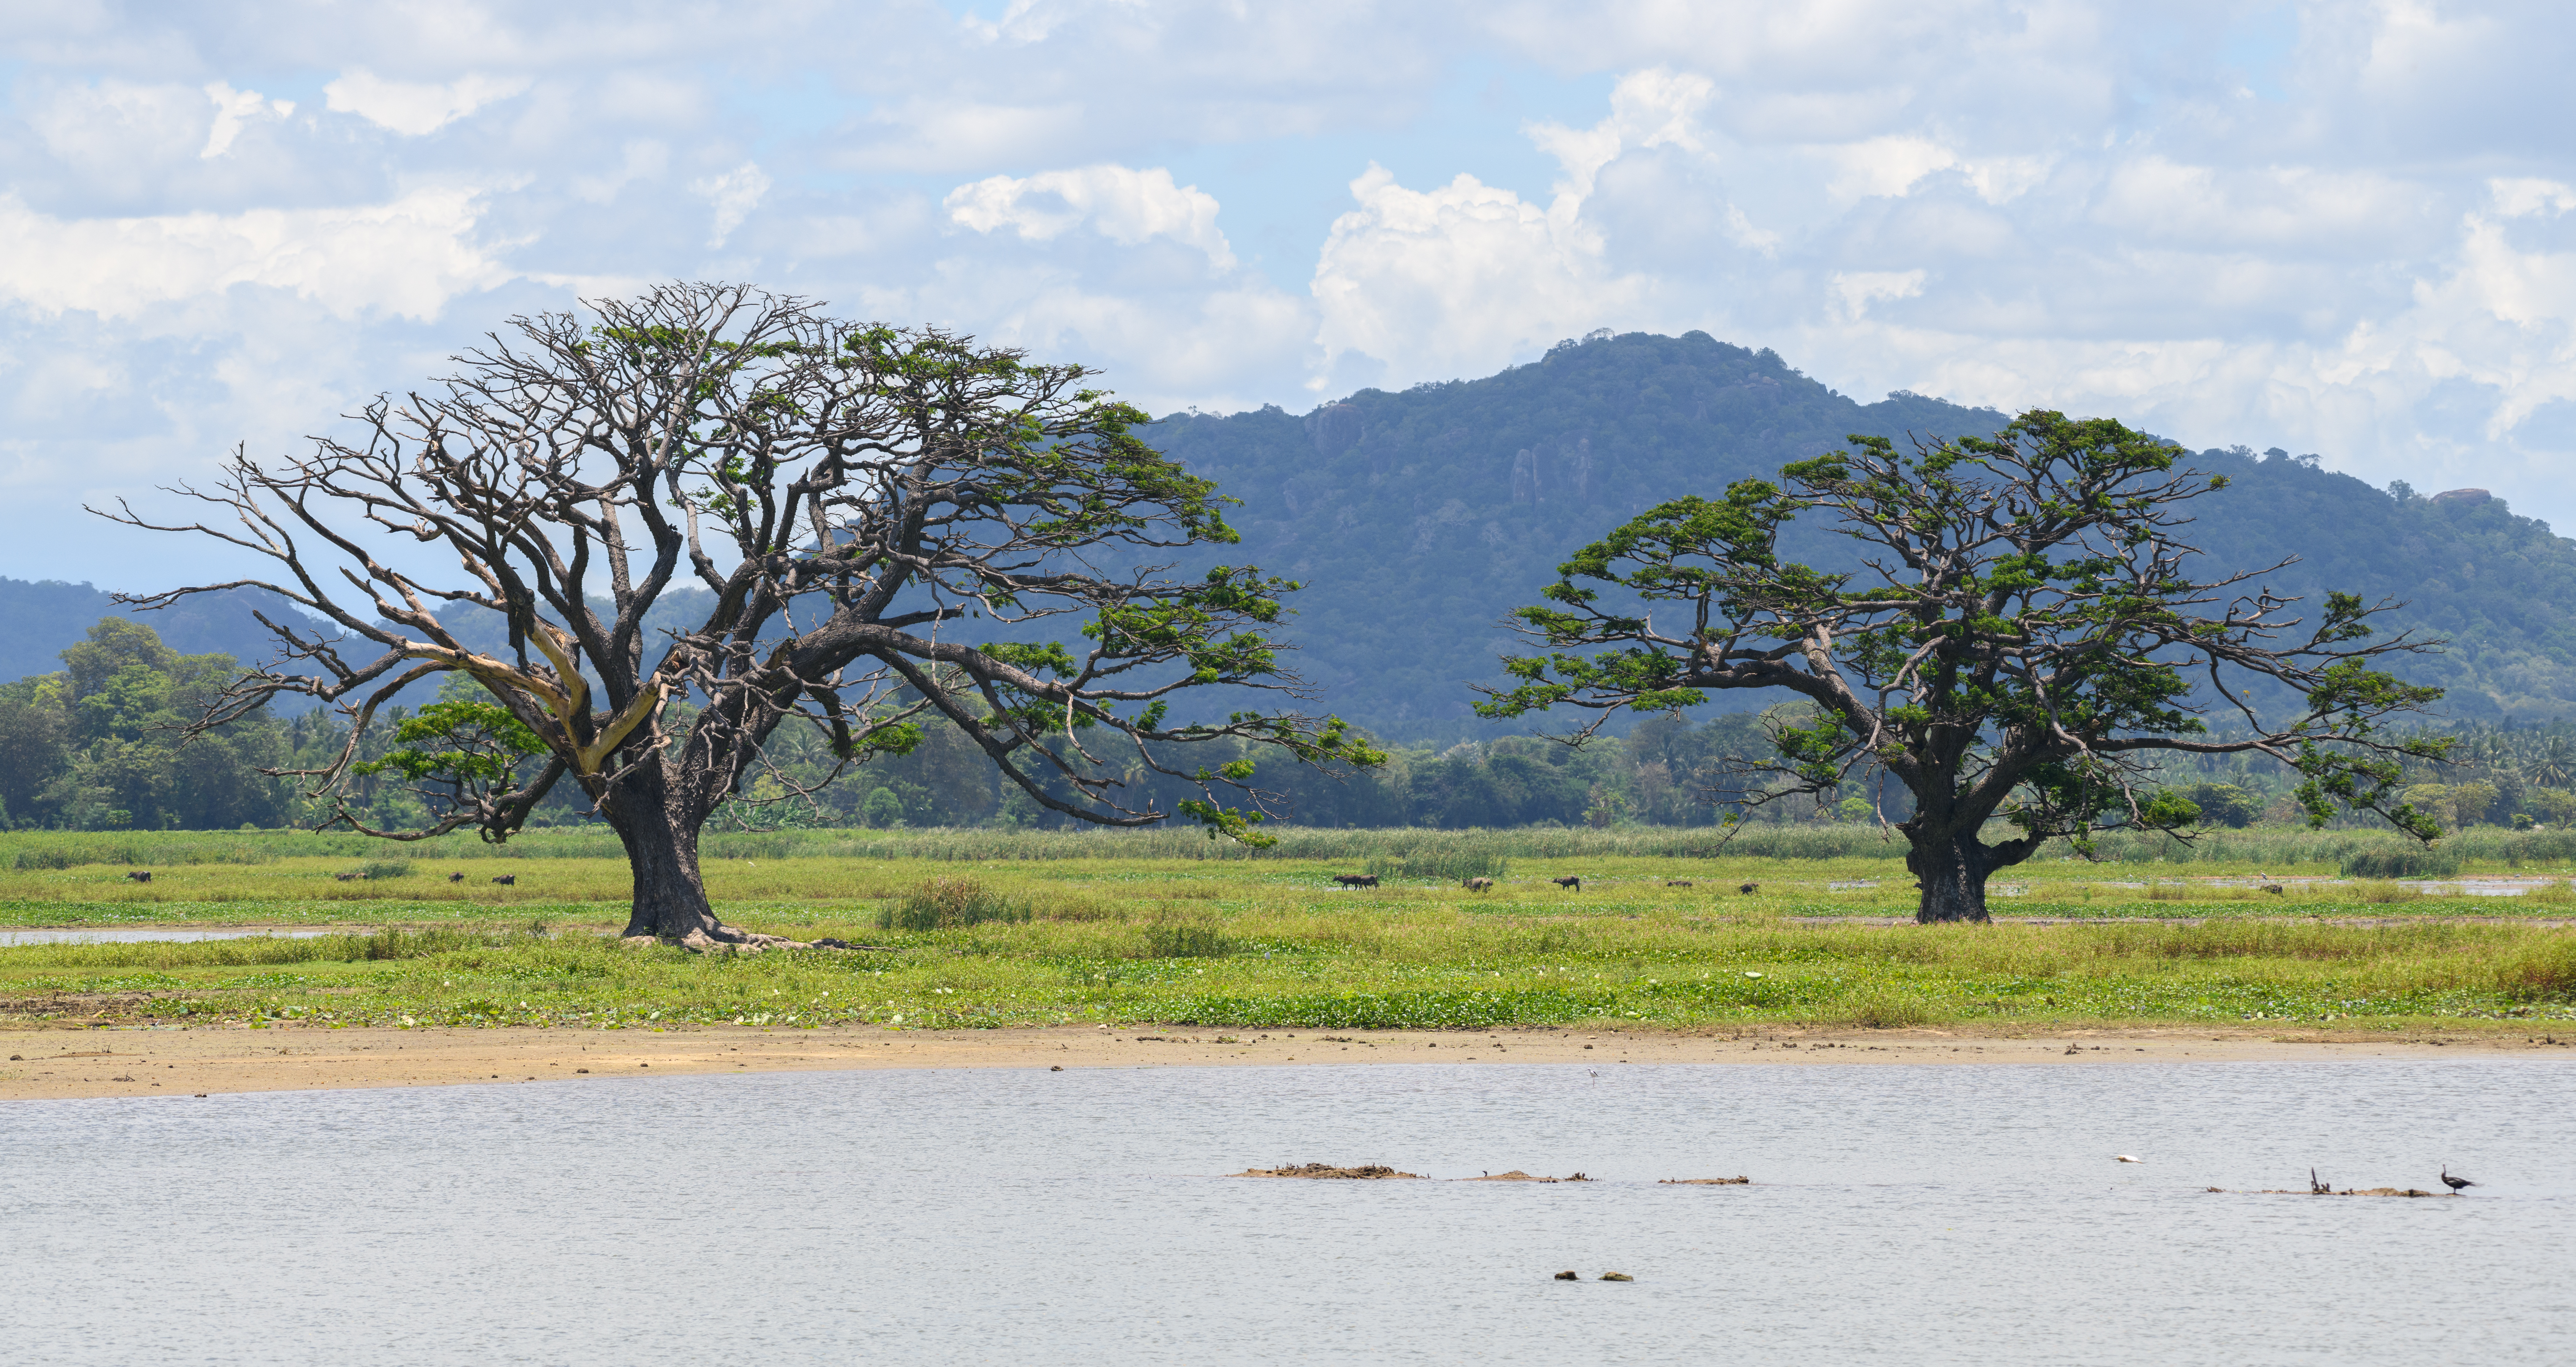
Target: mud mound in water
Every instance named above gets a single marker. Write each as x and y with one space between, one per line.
1516 1175
1366 1171
1706 1182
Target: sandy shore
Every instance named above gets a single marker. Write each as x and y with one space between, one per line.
186 1061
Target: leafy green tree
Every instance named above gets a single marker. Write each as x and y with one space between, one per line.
853 500
882 809
2223 804
2021 644
99 745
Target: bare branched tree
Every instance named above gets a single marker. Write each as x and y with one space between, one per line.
859 502
2022 646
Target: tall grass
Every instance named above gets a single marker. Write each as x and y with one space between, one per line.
389 943
949 904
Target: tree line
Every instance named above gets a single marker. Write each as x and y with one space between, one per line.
98 746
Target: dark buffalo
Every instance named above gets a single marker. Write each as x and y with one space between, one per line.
1356 880
1575 883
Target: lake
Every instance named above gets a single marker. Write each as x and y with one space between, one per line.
1918 1215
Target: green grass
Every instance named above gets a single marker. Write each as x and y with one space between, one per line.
1274 944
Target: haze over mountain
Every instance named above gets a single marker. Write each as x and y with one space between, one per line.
1418 519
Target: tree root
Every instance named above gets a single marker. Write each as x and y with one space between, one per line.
726 939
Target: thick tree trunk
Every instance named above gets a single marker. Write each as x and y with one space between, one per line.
1951 869
670 897
660 832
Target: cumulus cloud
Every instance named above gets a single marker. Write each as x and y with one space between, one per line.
2356 240
416 109
1121 204
1458 279
407 257
733 195
233 110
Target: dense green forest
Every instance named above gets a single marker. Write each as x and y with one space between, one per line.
96 745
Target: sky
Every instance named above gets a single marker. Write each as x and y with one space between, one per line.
2339 228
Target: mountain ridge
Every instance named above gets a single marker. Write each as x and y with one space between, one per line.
1419 518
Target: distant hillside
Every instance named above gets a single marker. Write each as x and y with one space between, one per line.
1419 519
39 619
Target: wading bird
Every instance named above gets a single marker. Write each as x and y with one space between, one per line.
2454 1183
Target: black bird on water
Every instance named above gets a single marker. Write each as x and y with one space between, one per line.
2454 1183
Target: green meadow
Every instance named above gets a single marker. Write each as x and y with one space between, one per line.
1023 929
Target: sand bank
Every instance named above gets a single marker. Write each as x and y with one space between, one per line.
183 1061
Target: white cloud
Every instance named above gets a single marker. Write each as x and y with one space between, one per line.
2075 202
1458 280
416 109
120 124
1854 291
407 257
2526 196
1884 166
234 109
1653 108
734 195
1123 205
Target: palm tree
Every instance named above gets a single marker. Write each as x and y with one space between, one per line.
2554 766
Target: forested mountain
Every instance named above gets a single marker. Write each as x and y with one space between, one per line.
1418 519
41 619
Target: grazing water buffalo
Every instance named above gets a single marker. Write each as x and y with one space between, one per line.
456 878
1480 885
1677 882
1575 883
1750 888
140 875
508 880
1356 880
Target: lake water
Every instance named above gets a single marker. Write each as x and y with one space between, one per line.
104 935
1915 1215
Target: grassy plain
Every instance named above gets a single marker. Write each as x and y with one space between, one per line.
1273 943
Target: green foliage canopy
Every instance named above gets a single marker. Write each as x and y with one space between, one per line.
2020 643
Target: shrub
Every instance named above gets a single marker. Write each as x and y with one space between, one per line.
1185 935
1879 1007
2400 861
948 904
1449 864
385 868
